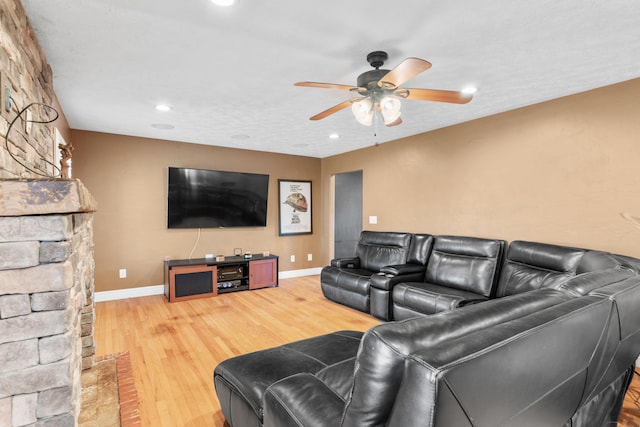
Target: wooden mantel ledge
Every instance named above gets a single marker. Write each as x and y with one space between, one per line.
20 197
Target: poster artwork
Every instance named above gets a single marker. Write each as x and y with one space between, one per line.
295 207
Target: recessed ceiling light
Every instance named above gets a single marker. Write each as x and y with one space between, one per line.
163 126
223 3
163 107
334 136
469 90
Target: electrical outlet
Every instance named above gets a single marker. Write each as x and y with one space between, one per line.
309 257
293 258
123 273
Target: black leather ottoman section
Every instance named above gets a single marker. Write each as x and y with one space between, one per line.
415 299
241 381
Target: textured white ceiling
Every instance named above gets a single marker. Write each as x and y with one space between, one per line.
228 73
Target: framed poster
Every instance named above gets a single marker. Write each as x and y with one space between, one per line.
294 207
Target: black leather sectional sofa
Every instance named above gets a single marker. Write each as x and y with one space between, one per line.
524 334
428 274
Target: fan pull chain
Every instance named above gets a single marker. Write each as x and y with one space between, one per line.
376 124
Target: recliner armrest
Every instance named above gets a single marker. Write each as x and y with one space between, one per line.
402 269
387 280
346 262
301 400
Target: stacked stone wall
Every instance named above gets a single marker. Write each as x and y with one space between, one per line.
46 317
24 69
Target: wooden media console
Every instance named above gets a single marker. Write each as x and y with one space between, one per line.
186 279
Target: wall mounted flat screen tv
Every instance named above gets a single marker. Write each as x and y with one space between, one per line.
200 198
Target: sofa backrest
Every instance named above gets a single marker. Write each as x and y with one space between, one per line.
377 249
624 339
585 283
525 372
598 260
531 265
385 348
557 348
628 262
420 249
466 263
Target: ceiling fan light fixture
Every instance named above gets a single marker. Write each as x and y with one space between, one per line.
390 109
381 92
363 111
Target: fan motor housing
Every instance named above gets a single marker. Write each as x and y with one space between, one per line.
369 79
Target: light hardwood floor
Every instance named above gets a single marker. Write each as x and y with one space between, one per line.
174 347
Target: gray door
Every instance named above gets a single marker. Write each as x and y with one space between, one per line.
348 213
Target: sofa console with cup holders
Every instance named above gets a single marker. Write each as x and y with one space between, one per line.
494 334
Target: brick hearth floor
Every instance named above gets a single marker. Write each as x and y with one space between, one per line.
109 397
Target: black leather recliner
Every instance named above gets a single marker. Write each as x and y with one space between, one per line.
348 280
460 271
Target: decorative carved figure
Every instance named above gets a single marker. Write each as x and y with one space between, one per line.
65 161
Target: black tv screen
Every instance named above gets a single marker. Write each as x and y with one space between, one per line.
200 198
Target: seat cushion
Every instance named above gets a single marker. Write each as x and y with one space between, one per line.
241 381
428 298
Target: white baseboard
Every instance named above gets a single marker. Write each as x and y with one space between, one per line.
299 273
146 291
143 291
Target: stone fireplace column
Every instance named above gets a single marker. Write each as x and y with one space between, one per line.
46 300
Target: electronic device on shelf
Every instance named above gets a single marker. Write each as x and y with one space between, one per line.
230 284
230 272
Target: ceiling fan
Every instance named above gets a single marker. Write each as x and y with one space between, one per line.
380 91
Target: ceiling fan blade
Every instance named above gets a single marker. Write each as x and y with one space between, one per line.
405 71
323 85
438 95
331 110
395 123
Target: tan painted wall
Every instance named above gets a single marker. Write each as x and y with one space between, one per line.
561 172
128 178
